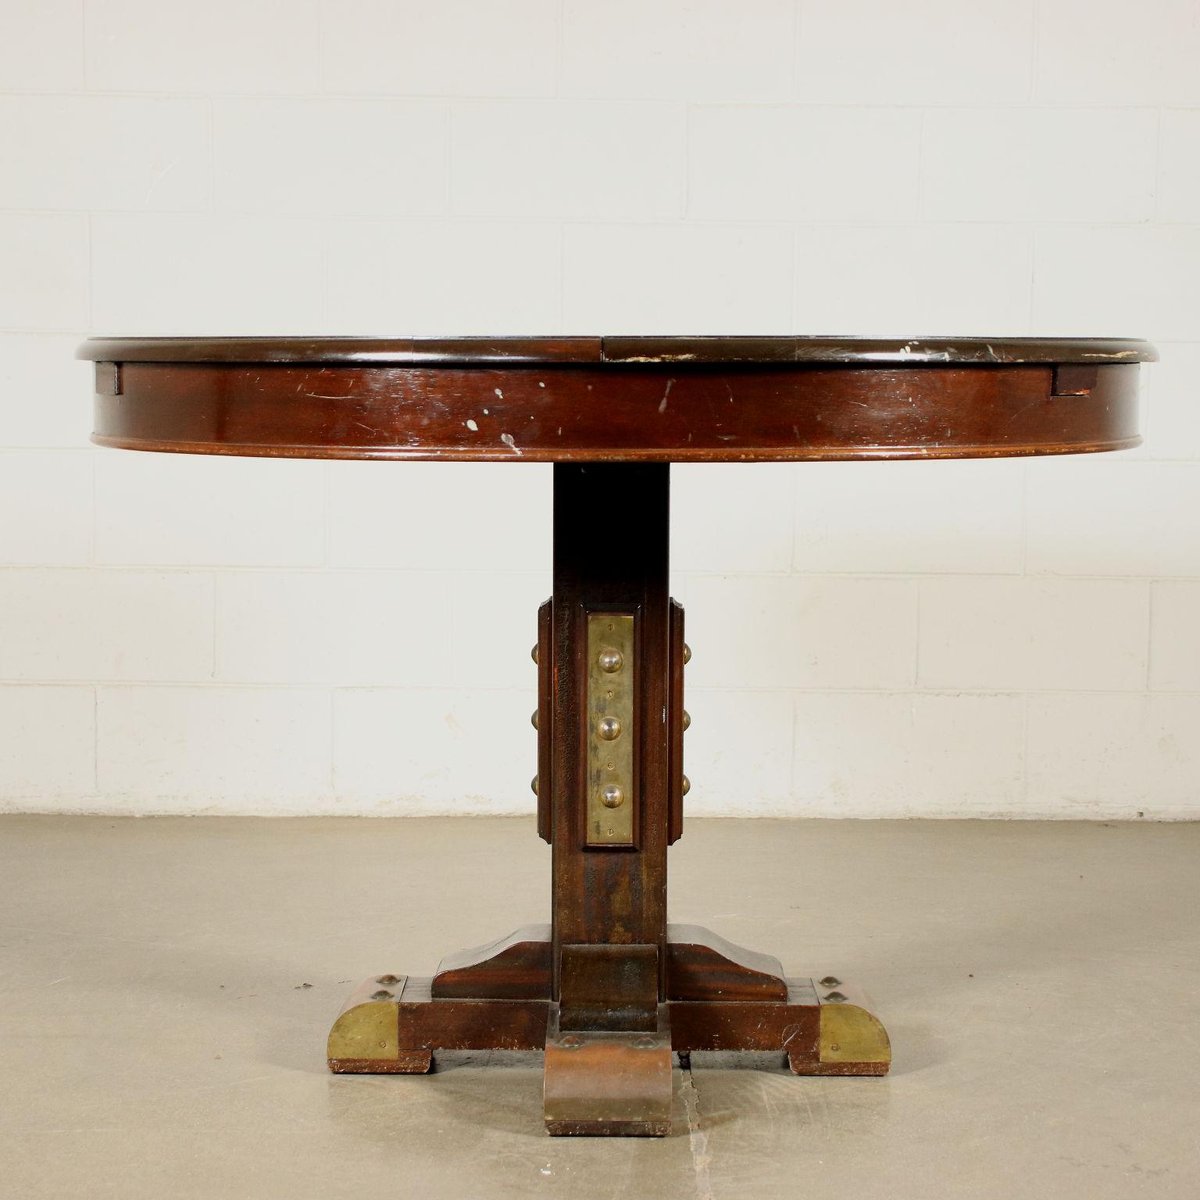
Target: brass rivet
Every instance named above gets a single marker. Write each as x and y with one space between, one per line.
533 783
388 979
687 654
687 720
830 982
611 660
570 1042
835 997
533 719
609 728
645 1043
612 796
687 785
534 652
381 995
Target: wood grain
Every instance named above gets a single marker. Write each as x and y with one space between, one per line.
649 413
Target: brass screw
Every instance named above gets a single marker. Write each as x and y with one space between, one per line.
533 783
611 660
687 785
611 796
687 654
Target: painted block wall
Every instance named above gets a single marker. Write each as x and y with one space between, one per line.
936 639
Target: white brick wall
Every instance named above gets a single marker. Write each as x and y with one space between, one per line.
207 635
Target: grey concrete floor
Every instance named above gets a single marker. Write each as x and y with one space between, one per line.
166 986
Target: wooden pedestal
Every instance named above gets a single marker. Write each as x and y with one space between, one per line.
608 990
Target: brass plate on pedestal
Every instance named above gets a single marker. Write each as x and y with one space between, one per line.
611 697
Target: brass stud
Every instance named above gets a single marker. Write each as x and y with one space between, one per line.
687 654
687 720
609 728
389 980
534 652
687 785
533 719
533 783
381 995
830 982
611 660
835 997
611 796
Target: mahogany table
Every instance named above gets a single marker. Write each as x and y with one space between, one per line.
608 989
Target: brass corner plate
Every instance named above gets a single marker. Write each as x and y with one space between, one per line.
366 1028
610 735
853 1040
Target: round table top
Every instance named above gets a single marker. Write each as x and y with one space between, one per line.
467 351
617 398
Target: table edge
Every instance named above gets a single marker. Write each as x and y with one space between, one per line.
620 351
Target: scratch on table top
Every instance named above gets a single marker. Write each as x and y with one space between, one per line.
657 358
662 407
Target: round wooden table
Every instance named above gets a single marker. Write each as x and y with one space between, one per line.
608 989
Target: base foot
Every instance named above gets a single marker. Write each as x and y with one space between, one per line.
391 1025
394 1028
719 997
822 1031
608 1083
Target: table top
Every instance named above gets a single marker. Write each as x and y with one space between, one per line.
618 350
617 398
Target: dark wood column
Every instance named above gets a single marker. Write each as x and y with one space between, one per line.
611 532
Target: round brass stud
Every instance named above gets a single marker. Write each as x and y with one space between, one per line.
612 796
687 785
533 783
611 660
687 720
533 719
534 653
687 654
609 728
